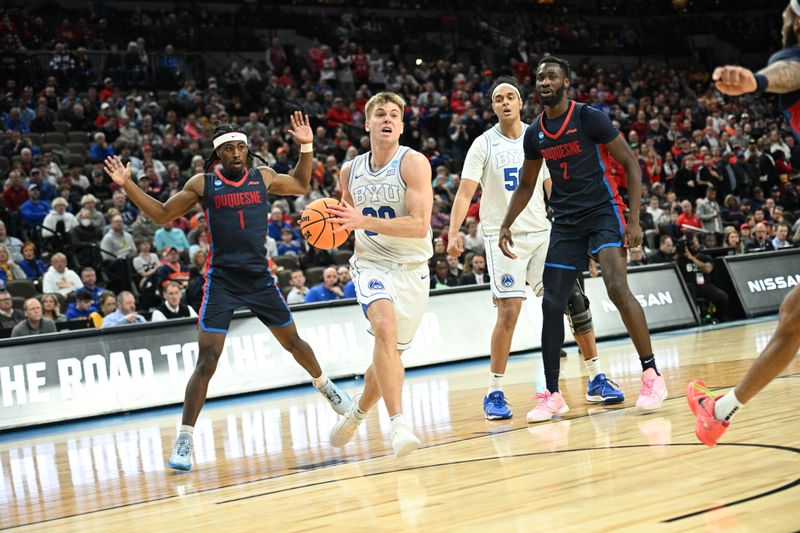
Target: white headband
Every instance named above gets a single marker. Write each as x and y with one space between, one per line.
509 86
795 5
229 137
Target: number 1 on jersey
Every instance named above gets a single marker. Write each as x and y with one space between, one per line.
563 166
241 219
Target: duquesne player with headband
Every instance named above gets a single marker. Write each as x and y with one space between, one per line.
781 76
494 162
387 199
575 141
235 199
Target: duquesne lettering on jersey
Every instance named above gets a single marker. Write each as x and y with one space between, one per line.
495 161
236 211
237 199
382 194
573 147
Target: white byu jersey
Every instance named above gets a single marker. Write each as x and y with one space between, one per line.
382 193
495 161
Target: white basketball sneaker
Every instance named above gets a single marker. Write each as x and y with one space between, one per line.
403 439
344 429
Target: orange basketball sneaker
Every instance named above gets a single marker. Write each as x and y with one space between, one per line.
701 401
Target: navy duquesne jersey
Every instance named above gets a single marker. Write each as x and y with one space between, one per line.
572 146
789 102
236 212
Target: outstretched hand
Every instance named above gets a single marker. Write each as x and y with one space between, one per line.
300 128
119 173
733 80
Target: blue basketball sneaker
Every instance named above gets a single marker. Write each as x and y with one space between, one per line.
603 390
181 458
495 406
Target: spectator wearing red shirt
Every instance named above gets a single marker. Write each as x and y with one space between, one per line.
16 193
338 114
688 217
640 126
521 69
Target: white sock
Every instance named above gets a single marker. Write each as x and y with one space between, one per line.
727 406
495 382
398 419
186 430
593 367
321 381
357 412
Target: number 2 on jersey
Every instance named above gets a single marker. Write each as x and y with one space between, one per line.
383 212
563 166
511 177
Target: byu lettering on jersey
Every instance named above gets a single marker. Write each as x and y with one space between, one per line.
382 194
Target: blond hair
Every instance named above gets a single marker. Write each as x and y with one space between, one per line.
384 97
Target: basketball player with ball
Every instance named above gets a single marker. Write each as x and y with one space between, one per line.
387 200
236 208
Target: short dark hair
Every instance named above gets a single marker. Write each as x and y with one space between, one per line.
511 80
558 61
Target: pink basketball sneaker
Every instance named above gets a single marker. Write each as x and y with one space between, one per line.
653 392
549 406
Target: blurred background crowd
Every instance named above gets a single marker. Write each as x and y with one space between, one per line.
721 175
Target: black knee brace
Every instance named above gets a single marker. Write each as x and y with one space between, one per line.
578 313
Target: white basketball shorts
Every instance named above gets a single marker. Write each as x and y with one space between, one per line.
509 275
405 285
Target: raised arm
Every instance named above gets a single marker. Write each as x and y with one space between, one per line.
780 77
160 213
298 181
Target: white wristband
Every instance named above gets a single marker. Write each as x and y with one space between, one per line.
306 148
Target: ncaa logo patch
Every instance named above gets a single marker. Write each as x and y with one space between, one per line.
507 280
392 168
375 284
541 135
217 183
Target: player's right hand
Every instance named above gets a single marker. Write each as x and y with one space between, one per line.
733 80
455 244
119 173
506 243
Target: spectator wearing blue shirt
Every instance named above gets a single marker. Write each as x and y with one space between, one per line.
170 236
345 281
34 209
89 279
46 189
82 307
288 246
100 149
125 313
327 290
277 224
33 267
13 121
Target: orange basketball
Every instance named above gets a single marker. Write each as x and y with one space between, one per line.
317 229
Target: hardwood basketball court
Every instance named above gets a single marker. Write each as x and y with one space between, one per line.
262 463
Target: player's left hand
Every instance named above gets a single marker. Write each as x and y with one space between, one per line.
348 218
632 236
300 129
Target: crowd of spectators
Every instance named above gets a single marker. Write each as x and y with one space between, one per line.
724 166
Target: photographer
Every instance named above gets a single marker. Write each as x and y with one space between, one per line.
696 268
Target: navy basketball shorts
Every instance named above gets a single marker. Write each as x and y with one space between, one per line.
573 241
226 290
